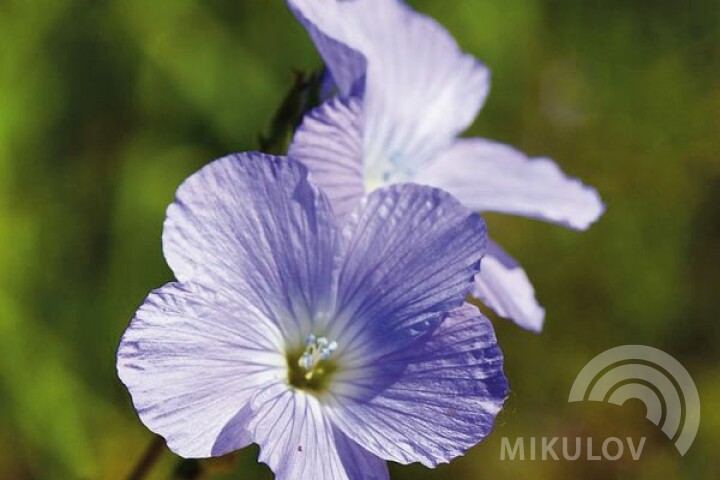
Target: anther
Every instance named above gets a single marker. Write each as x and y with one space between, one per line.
317 349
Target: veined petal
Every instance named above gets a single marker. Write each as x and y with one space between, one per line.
503 286
252 225
333 40
492 177
329 144
192 360
358 462
445 399
420 89
408 256
297 440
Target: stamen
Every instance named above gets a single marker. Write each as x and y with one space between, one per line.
317 349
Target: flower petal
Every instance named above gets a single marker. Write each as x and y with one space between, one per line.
450 388
329 144
420 89
409 255
346 65
192 360
297 440
253 226
358 462
492 177
503 286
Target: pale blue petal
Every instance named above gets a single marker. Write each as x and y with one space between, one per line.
251 225
492 177
503 286
297 441
437 398
420 89
346 65
192 359
409 255
358 462
329 144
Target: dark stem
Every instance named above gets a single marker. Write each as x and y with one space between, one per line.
188 469
303 96
152 454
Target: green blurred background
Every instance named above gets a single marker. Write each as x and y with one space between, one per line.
105 106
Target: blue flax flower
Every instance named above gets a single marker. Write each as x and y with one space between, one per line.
334 344
405 92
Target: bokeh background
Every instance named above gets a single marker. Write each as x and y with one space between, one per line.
107 105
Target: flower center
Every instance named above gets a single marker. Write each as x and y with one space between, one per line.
312 368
